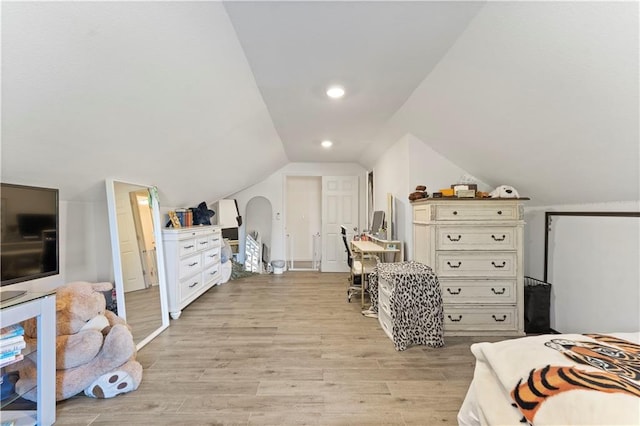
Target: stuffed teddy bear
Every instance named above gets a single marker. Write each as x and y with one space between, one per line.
95 351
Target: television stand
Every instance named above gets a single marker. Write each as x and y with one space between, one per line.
10 294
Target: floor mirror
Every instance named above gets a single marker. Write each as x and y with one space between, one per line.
136 244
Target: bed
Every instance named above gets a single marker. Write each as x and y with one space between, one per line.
559 379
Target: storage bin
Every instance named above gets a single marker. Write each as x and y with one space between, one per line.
537 299
278 266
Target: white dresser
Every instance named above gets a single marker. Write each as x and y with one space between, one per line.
192 262
475 248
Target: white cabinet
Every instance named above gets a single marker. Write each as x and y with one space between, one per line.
192 262
41 306
476 249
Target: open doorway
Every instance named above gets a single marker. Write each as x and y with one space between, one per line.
303 222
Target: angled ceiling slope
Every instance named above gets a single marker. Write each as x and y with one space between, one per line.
380 52
147 92
540 95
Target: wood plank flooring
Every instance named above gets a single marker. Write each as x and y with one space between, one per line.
284 349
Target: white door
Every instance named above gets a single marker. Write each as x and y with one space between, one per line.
339 207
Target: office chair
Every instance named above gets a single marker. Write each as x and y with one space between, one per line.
356 279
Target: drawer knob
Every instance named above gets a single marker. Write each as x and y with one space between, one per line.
193 285
499 211
204 243
455 319
193 264
498 238
455 213
454 291
454 266
495 265
498 291
188 247
496 319
454 238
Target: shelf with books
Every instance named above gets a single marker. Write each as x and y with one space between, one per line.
13 408
13 348
11 345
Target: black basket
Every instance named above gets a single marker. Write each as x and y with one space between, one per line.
537 299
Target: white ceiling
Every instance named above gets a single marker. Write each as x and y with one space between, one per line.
379 51
206 98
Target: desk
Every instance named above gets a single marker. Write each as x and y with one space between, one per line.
363 248
398 256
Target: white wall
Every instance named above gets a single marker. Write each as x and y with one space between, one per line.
273 188
406 164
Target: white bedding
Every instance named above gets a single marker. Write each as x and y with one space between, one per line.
579 380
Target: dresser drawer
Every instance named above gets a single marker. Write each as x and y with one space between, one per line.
476 264
187 246
421 213
210 274
385 322
210 257
215 240
478 291
476 238
384 287
480 318
384 303
189 266
190 286
203 243
485 211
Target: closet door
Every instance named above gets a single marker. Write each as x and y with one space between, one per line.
339 207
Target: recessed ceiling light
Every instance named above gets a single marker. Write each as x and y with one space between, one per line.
335 92
326 144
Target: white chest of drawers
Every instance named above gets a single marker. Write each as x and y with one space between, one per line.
192 261
475 248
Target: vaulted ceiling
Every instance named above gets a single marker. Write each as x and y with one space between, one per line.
203 99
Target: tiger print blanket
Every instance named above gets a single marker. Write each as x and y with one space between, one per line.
568 379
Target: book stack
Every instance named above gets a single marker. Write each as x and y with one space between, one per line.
185 217
11 344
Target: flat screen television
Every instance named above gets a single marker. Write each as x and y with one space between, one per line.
29 225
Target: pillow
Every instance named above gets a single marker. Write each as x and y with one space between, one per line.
202 215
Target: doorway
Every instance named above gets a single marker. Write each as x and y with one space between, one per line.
339 207
303 222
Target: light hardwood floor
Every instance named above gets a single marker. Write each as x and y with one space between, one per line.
284 349
143 312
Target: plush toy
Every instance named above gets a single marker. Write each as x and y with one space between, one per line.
95 351
504 191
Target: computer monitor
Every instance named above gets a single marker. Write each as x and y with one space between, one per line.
377 222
